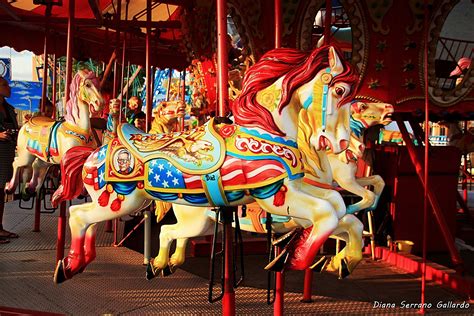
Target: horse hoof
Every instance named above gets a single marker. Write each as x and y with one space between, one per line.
151 271
30 192
278 264
9 191
320 265
343 270
167 271
59 273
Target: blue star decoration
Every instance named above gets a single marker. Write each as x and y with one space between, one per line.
163 175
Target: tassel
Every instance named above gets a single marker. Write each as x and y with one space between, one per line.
117 203
105 196
279 198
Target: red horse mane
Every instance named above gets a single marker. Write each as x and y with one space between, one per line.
298 68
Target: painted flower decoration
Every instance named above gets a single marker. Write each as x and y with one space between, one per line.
227 130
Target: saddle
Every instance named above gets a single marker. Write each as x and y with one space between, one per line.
39 129
213 161
197 151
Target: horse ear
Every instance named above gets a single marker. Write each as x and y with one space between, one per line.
334 61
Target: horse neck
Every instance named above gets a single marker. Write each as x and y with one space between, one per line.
82 119
357 129
287 120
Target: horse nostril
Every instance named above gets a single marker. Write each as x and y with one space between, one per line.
361 147
344 144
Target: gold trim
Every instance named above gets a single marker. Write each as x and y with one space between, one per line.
179 167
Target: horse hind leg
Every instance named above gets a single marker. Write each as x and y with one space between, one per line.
305 206
23 159
75 261
345 261
89 245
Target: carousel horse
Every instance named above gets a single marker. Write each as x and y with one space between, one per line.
166 116
194 222
344 166
224 164
43 141
458 138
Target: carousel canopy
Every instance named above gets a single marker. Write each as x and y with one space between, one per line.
23 24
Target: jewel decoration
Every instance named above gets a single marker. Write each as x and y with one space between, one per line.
409 84
409 44
408 65
379 65
374 84
381 46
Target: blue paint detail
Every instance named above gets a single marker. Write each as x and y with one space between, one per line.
266 191
213 181
351 209
162 174
195 198
276 219
101 176
376 203
33 144
356 127
270 137
124 188
234 195
53 141
308 102
288 169
168 197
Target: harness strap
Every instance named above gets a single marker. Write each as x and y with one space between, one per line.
326 79
322 185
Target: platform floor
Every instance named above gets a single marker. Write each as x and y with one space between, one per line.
115 284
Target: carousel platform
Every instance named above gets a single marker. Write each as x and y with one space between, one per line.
115 284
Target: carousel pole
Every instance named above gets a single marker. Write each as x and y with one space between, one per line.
426 171
149 106
278 305
228 300
62 207
44 88
183 98
327 22
54 83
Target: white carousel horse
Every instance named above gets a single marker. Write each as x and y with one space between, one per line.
194 222
43 141
218 164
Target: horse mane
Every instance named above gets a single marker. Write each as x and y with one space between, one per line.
72 108
298 68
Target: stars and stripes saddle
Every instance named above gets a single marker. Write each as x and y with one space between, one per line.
214 163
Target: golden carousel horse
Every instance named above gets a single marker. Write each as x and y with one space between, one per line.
223 164
43 141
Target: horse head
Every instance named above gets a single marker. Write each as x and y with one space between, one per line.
89 91
369 114
326 105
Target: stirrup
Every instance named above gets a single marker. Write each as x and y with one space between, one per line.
321 264
284 240
278 264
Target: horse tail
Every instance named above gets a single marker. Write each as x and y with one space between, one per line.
71 174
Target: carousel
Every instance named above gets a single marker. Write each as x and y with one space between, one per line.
243 157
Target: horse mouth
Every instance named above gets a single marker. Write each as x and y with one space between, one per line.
324 144
350 155
387 118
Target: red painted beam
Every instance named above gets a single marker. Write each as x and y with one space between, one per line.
448 237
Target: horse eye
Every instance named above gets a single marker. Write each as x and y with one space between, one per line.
340 91
363 106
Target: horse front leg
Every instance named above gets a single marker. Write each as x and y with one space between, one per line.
377 182
40 168
191 222
303 249
345 261
89 245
